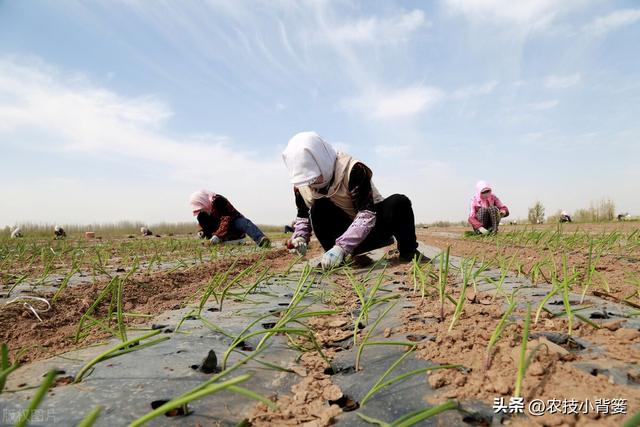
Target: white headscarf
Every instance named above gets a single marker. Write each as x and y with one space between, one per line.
307 157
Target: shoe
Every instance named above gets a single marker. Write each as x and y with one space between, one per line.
264 242
417 255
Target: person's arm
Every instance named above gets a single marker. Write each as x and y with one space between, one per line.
302 225
222 208
473 216
504 210
362 198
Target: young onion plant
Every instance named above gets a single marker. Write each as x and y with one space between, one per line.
497 333
413 418
211 386
381 383
466 267
129 346
443 275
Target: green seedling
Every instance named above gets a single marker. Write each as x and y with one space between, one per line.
466 268
497 333
90 418
412 418
443 275
381 383
133 344
372 328
36 399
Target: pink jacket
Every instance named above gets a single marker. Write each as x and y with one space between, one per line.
478 202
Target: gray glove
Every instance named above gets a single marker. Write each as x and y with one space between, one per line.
332 258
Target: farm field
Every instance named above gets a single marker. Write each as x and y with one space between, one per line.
168 331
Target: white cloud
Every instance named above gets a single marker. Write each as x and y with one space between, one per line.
561 82
474 90
79 117
613 21
543 105
524 15
398 103
380 30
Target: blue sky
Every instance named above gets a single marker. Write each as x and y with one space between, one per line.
119 110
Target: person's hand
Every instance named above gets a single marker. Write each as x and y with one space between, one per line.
332 258
298 245
503 214
483 230
215 240
200 234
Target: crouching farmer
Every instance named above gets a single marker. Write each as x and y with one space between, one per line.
59 232
486 210
220 222
336 199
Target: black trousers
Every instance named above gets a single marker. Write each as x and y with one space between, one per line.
394 218
209 225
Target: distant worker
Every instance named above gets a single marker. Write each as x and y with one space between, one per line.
59 232
624 217
16 233
486 210
336 199
145 231
220 222
565 217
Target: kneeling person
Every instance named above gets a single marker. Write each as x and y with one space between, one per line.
336 199
219 221
486 210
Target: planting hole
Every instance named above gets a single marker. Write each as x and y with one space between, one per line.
346 403
213 309
599 315
418 337
63 380
176 412
155 327
339 369
477 419
268 325
244 346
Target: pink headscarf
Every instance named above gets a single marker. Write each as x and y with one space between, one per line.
201 201
477 198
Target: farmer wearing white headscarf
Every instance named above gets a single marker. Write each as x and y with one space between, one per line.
337 200
59 232
16 233
565 217
220 222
